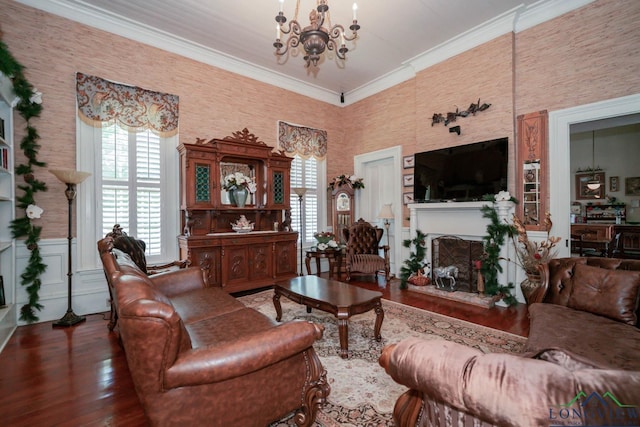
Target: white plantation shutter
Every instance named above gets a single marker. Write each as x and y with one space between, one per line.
304 173
131 185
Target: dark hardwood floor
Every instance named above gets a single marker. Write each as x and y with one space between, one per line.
78 376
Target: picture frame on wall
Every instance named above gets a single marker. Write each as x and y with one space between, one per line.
614 183
408 162
584 192
407 180
632 186
407 198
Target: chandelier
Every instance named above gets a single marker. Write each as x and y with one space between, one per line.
594 182
315 38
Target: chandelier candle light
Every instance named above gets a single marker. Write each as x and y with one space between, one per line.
314 38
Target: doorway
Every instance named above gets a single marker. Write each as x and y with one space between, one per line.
560 173
382 175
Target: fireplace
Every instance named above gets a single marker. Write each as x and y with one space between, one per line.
465 221
452 251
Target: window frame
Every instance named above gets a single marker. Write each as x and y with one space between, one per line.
321 193
89 230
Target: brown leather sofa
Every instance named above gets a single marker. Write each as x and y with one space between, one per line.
584 343
200 357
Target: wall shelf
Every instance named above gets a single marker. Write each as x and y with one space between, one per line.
8 315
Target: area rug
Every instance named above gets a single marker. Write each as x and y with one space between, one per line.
362 394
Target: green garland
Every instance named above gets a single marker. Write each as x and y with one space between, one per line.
497 232
22 227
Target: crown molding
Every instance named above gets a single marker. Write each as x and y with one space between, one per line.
106 21
545 10
393 78
515 20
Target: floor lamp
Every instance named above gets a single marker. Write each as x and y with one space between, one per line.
71 177
300 191
386 213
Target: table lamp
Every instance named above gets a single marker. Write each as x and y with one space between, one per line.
386 213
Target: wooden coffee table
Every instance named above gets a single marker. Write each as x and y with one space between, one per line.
340 299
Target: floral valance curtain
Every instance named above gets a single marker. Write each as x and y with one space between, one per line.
102 103
303 141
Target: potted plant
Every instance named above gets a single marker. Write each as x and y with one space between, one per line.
415 264
325 239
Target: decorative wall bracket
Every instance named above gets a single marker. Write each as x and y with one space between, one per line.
452 116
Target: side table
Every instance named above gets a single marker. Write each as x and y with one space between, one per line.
333 255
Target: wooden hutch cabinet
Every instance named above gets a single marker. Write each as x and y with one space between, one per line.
236 261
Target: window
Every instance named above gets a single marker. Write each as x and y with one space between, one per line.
308 173
131 185
134 182
126 136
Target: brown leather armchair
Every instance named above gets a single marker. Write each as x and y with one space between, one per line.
363 250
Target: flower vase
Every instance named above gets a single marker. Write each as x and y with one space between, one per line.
232 200
530 285
240 195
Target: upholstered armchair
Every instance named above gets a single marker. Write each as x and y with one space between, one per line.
363 250
135 249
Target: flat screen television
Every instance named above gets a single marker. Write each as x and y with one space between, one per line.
461 173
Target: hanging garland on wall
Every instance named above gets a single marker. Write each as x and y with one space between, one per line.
29 106
497 233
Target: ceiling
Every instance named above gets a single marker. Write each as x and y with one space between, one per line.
397 38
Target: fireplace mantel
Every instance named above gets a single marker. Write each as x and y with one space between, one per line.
463 220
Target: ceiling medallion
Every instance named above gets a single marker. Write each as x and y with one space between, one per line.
315 38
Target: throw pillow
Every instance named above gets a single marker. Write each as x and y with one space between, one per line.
134 248
563 358
609 293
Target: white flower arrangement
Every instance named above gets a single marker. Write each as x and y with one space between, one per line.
34 211
326 240
503 196
238 179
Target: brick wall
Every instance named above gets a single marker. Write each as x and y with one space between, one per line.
586 55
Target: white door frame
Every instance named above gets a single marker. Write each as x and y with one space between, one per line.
394 153
560 174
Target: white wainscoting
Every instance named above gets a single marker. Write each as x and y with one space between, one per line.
90 292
